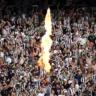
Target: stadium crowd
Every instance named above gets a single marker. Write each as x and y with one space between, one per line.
73 53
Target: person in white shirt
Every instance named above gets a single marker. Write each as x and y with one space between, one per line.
4 31
41 93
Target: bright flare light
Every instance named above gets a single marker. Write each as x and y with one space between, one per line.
46 44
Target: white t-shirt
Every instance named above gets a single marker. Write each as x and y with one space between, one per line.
76 87
82 41
1 54
4 32
41 94
8 60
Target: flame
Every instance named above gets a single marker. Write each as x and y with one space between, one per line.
46 44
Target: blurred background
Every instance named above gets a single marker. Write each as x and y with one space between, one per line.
52 2
25 5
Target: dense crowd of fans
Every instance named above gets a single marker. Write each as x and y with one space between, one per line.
72 55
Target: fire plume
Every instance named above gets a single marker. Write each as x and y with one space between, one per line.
46 44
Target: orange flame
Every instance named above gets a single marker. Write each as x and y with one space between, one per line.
46 44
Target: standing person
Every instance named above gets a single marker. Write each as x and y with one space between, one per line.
41 93
52 93
4 31
31 41
6 90
72 90
87 91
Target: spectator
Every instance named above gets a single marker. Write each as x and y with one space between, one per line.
73 53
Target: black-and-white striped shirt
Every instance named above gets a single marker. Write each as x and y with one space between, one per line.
83 79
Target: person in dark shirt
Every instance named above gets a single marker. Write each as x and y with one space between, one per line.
78 77
57 90
66 85
6 90
54 83
92 38
87 92
1 77
56 86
